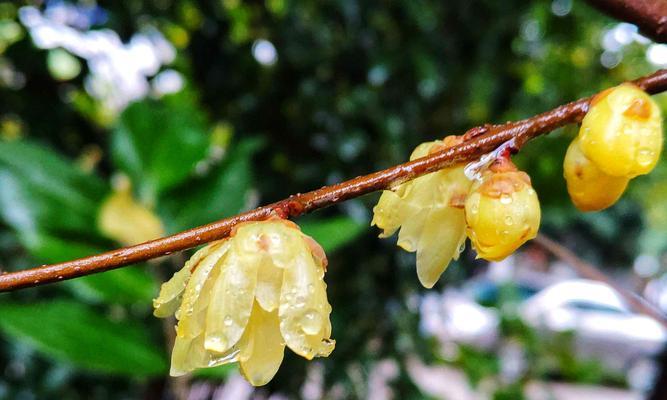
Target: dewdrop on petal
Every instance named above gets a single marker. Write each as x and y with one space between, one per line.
428 211
622 132
244 298
590 189
502 211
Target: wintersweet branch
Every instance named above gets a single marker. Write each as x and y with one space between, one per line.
477 142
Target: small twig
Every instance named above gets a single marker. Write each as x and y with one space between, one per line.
589 271
470 150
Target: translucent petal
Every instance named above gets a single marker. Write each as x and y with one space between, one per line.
263 347
423 191
183 357
387 213
304 309
197 293
171 291
269 281
439 243
408 237
423 149
189 354
232 296
317 251
270 237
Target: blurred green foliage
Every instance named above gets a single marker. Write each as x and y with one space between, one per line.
356 85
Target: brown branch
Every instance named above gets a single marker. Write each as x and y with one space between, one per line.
478 141
649 15
589 271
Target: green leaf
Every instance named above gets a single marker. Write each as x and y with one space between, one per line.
53 206
75 333
333 233
128 285
158 144
219 372
42 190
222 192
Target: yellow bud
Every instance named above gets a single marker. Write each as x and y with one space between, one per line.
429 212
590 189
622 132
502 212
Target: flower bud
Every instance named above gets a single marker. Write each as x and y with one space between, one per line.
429 212
502 212
590 189
622 132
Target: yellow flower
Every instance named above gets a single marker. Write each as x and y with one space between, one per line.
590 189
622 132
244 298
429 212
124 219
502 211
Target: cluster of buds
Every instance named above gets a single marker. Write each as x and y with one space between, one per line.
499 212
620 138
242 299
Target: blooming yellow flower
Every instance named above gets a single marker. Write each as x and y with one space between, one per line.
502 211
244 298
429 212
622 132
590 189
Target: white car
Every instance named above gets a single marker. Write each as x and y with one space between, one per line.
604 327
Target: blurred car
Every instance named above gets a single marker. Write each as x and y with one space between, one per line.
604 327
468 315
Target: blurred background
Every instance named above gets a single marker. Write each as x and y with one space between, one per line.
124 121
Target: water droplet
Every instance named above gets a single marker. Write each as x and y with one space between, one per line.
311 288
508 220
311 322
300 301
462 247
645 156
228 320
224 358
505 198
474 208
